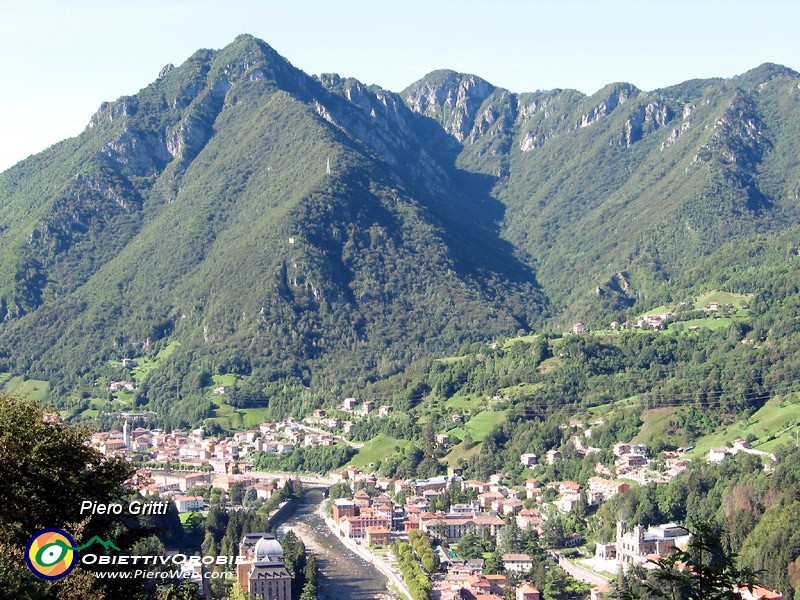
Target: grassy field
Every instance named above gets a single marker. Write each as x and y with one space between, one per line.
230 418
655 423
461 452
457 432
657 310
184 516
449 360
525 339
479 425
521 388
703 301
144 365
775 423
100 404
598 412
228 379
736 300
253 417
227 416
375 449
709 323
463 403
29 388
224 410
124 398
550 364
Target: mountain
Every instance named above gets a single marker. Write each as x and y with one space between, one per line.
308 234
279 226
622 190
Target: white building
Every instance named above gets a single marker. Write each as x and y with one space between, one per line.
717 455
188 503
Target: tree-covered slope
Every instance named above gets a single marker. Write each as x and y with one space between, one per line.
277 225
616 192
307 232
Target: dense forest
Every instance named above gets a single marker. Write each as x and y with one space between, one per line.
309 235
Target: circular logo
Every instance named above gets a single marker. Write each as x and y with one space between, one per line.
50 554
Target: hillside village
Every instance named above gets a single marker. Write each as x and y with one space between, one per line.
438 309
374 512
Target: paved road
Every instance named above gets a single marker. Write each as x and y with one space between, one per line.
580 573
317 430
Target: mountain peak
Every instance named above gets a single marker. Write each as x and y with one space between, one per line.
250 57
245 42
765 72
449 97
445 77
299 229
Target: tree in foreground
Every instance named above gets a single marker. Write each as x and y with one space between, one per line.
47 470
701 572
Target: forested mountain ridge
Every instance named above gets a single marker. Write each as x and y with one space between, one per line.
261 218
307 233
626 181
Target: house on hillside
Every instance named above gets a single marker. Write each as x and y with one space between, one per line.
527 592
601 489
553 456
378 535
116 386
518 563
188 503
717 455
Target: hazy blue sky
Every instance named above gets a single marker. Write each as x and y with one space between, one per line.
60 59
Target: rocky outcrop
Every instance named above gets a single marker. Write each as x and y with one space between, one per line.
605 101
453 99
196 128
650 116
138 153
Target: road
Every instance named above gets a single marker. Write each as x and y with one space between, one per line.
580 573
318 431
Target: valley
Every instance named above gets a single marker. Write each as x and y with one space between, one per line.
508 328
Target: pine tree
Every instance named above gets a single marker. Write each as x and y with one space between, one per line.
209 546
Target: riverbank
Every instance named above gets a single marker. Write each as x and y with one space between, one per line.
343 575
364 553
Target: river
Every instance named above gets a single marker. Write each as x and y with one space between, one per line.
342 574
